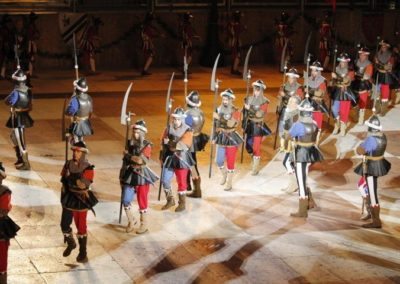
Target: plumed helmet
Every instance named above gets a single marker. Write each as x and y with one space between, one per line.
259 83
80 146
140 125
293 73
305 107
19 76
81 85
228 93
179 113
193 99
284 17
373 123
2 171
237 15
343 57
316 65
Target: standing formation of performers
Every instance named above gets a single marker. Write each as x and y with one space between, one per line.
300 116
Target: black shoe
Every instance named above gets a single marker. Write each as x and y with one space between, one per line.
145 73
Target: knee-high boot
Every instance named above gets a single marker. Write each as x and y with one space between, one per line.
71 244
82 256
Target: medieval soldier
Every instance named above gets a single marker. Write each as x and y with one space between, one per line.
8 229
7 41
304 134
76 199
283 33
136 176
289 89
383 63
20 101
90 43
195 119
325 39
290 116
176 141
254 113
235 28
188 33
317 91
227 139
33 35
342 94
362 84
374 165
148 33
80 110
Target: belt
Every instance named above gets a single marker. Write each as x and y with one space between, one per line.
305 144
20 109
382 71
226 130
372 158
78 118
255 119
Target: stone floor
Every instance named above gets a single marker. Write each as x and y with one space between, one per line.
243 236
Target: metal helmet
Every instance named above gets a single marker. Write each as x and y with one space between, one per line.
193 99
228 93
293 73
305 107
179 113
19 76
259 83
364 50
80 146
236 16
316 65
373 123
187 16
343 57
81 85
140 125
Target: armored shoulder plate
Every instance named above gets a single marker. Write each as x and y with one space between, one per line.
311 131
382 143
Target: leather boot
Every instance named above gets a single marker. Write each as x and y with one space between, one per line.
397 99
3 278
82 256
367 206
378 106
71 244
302 212
376 221
361 115
25 163
311 202
384 108
337 126
170 200
131 219
343 127
197 189
256 164
224 173
181 203
228 186
143 224
19 161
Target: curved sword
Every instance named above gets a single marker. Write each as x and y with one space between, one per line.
246 64
305 57
214 73
124 116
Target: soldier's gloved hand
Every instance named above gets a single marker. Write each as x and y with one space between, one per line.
180 146
259 113
215 115
334 76
246 106
166 141
80 184
137 160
